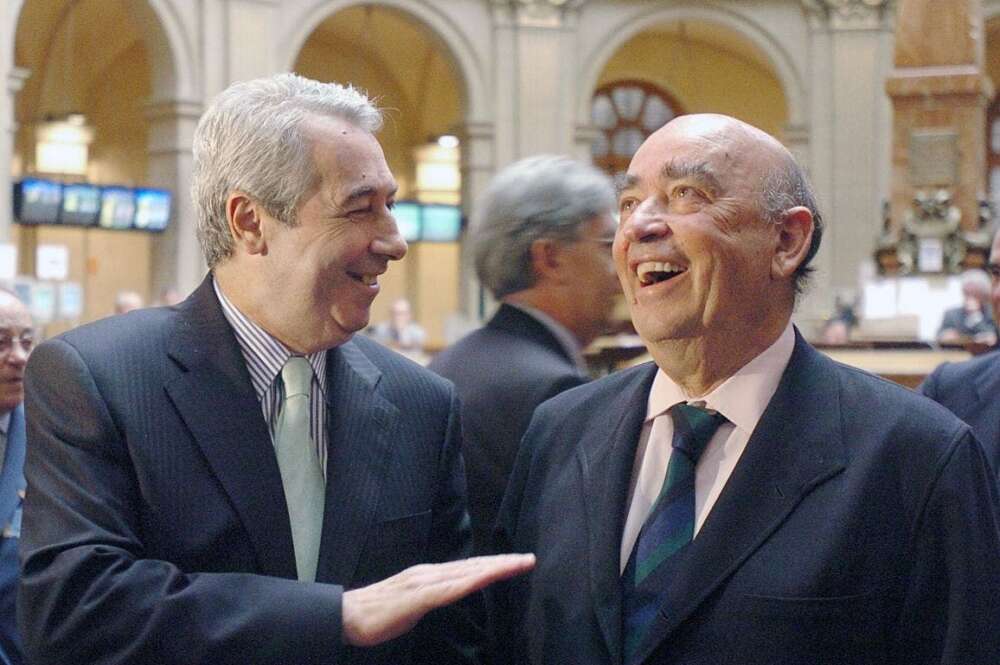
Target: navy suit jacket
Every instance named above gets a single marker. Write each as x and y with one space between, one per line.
11 496
971 390
859 526
156 529
501 373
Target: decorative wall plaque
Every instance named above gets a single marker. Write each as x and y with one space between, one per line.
933 157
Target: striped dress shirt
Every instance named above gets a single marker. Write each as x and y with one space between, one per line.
265 356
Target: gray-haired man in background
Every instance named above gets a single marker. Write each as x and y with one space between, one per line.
239 479
542 242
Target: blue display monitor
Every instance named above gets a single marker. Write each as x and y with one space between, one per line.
37 201
407 214
81 205
441 223
117 207
152 209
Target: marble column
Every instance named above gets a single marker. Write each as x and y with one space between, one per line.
177 259
8 134
477 168
848 154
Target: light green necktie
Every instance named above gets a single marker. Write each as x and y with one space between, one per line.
301 475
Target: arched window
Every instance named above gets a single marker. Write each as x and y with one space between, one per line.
625 113
993 152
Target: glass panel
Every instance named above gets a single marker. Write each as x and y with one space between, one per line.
599 148
603 113
628 100
626 141
995 136
656 114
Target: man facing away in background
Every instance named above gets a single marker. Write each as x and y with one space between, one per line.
743 498
240 479
542 245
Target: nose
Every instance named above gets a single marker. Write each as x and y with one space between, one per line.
648 222
390 242
17 355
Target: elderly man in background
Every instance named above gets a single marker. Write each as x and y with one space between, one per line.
970 389
17 339
542 246
239 479
743 498
972 321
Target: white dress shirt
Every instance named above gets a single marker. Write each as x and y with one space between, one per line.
741 398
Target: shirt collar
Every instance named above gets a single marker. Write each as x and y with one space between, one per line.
742 397
263 353
566 339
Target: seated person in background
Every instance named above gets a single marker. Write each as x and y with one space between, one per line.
973 320
542 246
401 332
970 389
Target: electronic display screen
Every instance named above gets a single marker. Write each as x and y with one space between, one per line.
441 223
81 205
152 209
117 207
407 214
37 201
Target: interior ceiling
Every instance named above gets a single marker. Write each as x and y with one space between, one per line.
398 43
98 33
718 37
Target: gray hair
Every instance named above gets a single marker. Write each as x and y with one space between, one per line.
251 139
538 197
784 188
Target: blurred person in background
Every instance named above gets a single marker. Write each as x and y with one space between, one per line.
542 246
970 389
401 332
127 301
973 320
17 339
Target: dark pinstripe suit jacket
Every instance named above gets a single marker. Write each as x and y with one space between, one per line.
156 529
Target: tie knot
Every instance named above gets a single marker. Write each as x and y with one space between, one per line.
693 428
297 376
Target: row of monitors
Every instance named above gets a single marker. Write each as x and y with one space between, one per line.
39 201
428 222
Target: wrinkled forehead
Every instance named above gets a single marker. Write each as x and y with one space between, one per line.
718 150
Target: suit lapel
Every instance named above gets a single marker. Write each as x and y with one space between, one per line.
215 399
606 457
983 416
12 475
794 448
360 447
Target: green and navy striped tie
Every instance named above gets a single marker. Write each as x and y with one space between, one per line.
668 528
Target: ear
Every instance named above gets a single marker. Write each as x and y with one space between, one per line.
245 216
546 259
794 237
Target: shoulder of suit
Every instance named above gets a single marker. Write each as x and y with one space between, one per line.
395 367
117 334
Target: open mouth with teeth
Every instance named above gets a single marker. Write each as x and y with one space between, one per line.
654 272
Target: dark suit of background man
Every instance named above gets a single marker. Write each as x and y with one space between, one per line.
836 517
158 520
17 338
971 389
542 246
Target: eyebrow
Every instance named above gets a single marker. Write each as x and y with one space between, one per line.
624 181
700 172
360 193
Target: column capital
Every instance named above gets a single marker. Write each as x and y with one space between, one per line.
850 14
171 125
535 13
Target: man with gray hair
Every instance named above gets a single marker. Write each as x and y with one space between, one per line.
542 245
239 479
